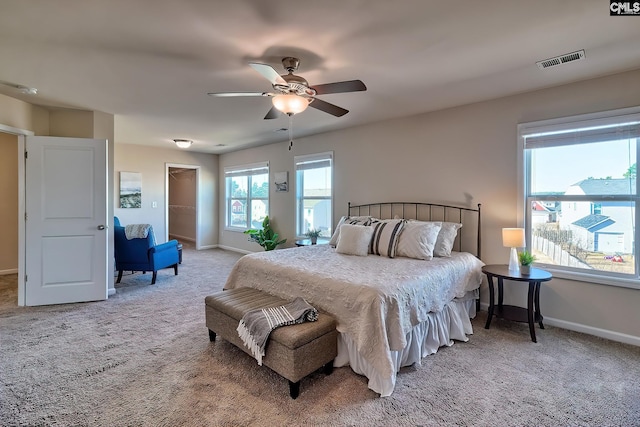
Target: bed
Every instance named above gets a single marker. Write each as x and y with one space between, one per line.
390 311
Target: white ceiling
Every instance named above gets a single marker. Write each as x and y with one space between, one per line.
152 62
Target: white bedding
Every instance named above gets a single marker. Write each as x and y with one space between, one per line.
377 301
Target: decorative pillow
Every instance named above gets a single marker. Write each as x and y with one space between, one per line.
336 233
353 220
358 220
418 239
384 240
446 237
354 239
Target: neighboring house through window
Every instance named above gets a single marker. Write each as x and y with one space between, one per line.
314 193
579 194
246 195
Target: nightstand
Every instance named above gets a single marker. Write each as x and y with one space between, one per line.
307 242
518 314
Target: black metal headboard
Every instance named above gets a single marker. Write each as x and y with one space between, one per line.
469 236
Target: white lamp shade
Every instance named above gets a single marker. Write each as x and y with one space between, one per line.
513 238
290 104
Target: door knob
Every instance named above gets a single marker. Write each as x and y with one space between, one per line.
101 227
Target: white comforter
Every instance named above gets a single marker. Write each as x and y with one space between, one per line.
376 300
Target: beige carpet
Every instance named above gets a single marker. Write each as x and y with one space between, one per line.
143 358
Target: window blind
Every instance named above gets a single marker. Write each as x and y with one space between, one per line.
603 129
246 170
313 161
583 136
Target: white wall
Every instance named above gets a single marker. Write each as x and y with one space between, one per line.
151 163
463 156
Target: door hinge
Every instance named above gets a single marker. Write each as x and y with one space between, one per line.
25 216
26 155
25 278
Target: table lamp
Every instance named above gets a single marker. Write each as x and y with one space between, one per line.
513 238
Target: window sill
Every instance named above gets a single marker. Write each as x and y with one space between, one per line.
236 229
621 282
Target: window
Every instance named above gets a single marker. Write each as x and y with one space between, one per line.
314 195
246 195
580 195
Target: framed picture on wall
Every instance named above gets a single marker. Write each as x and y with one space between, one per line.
130 190
282 181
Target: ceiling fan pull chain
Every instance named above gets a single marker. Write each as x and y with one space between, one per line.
290 131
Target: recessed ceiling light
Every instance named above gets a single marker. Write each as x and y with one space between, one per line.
183 143
22 88
28 90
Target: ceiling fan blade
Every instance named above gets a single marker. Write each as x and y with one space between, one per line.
229 94
340 87
327 107
273 113
269 73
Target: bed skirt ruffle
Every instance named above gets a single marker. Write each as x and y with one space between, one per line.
440 329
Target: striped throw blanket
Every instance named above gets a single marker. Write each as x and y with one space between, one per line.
256 325
137 231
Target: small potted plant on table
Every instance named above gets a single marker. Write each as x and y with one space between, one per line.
526 259
313 234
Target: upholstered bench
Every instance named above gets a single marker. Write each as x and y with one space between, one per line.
292 351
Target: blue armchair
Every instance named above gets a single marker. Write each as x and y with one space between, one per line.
142 254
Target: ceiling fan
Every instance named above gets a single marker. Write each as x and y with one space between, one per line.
292 94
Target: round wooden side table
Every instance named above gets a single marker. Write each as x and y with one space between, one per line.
532 313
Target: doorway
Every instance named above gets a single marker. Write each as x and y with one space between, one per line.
182 203
9 206
20 134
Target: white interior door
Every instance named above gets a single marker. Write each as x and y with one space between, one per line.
66 220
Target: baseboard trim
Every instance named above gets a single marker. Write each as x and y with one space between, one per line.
585 329
179 237
8 271
232 249
602 333
207 247
112 291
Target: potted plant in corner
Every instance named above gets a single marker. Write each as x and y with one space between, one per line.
266 237
526 259
313 234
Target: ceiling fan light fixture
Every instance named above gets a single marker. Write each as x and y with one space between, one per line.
290 104
183 143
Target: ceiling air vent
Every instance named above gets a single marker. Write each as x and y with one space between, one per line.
562 59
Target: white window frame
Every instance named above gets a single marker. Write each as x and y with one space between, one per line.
557 127
248 170
299 162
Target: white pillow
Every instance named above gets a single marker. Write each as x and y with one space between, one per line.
446 238
384 240
355 220
336 233
354 239
418 239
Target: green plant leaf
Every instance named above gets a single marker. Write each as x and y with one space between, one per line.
526 258
267 237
